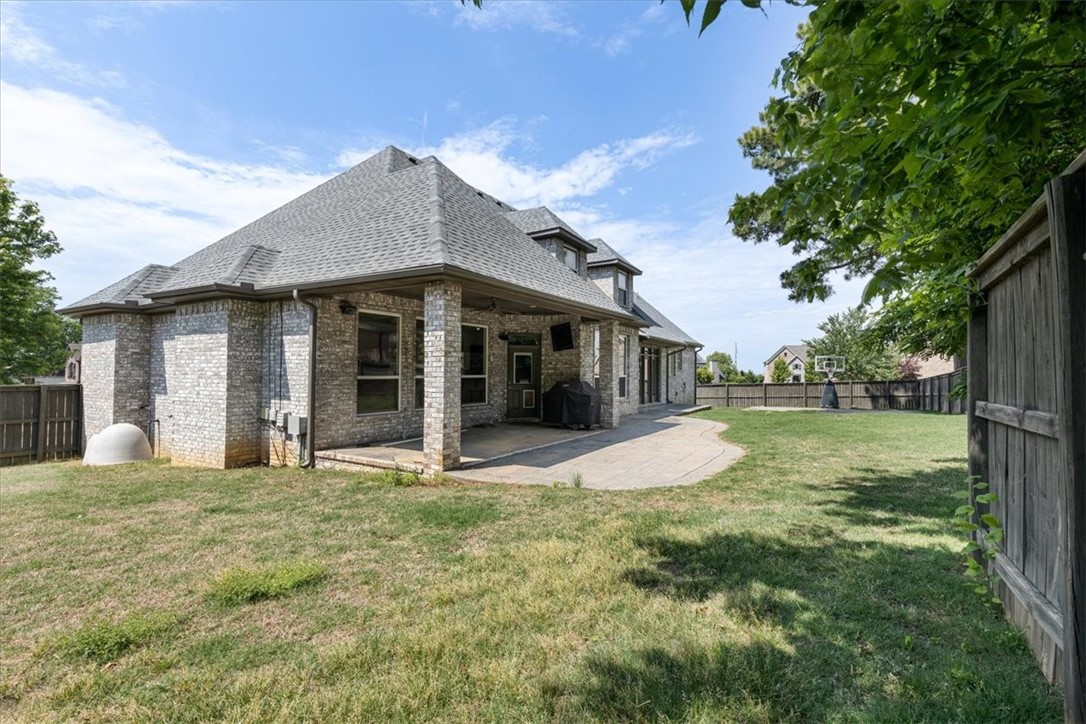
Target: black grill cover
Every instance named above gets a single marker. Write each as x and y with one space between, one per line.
571 403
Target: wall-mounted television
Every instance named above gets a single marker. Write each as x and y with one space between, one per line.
562 336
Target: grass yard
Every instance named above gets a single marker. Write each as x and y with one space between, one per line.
816 580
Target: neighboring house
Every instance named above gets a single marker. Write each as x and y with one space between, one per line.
936 365
713 367
391 301
72 368
795 356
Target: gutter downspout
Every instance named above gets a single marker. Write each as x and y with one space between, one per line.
311 402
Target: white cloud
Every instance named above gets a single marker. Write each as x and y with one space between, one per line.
118 194
620 42
544 16
20 44
483 158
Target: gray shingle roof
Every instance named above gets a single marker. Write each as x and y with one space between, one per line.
662 328
390 213
132 287
538 219
797 350
606 254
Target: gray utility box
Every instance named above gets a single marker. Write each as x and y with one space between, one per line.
296 425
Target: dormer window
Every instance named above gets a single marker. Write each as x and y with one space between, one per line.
571 258
622 291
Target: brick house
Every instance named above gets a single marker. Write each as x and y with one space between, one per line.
391 301
795 356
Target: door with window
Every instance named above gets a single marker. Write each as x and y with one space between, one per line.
523 393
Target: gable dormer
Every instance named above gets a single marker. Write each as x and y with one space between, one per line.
612 273
556 236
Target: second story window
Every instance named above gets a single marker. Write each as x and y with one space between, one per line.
622 285
570 257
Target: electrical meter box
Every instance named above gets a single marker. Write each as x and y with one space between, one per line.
296 425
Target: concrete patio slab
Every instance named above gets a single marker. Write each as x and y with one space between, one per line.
477 445
649 450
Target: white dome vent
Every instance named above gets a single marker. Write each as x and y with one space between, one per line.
120 443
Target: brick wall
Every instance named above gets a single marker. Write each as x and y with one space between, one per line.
162 370
116 371
244 368
198 384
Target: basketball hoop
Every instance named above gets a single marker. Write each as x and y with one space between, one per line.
830 364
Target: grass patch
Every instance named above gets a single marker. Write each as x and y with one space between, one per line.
456 514
237 586
103 640
817 579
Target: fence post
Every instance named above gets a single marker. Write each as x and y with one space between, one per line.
1065 196
765 395
727 395
41 422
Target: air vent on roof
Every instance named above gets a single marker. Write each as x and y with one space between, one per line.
413 160
480 194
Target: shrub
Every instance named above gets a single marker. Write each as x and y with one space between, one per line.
245 585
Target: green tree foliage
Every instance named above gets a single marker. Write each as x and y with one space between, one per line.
728 369
780 371
867 356
704 376
33 338
909 136
749 376
725 363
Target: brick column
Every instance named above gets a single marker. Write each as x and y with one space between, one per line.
609 410
441 407
116 371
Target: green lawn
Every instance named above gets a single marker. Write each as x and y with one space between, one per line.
816 580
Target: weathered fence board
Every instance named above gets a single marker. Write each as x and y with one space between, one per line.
40 422
1027 422
930 394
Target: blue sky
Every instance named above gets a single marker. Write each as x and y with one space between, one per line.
147 130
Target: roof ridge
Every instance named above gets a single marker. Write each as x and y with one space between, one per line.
238 267
140 277
439 240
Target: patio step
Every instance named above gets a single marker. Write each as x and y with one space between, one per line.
689 410
339 460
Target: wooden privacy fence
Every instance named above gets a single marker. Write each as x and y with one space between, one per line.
930 394
40 422
1027 422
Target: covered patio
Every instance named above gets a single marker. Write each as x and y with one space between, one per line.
659 447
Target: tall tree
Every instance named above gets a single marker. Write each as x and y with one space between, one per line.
33 338
780 371
909 136
867 356
726 365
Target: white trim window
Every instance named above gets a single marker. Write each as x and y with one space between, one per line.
473 364
378 373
